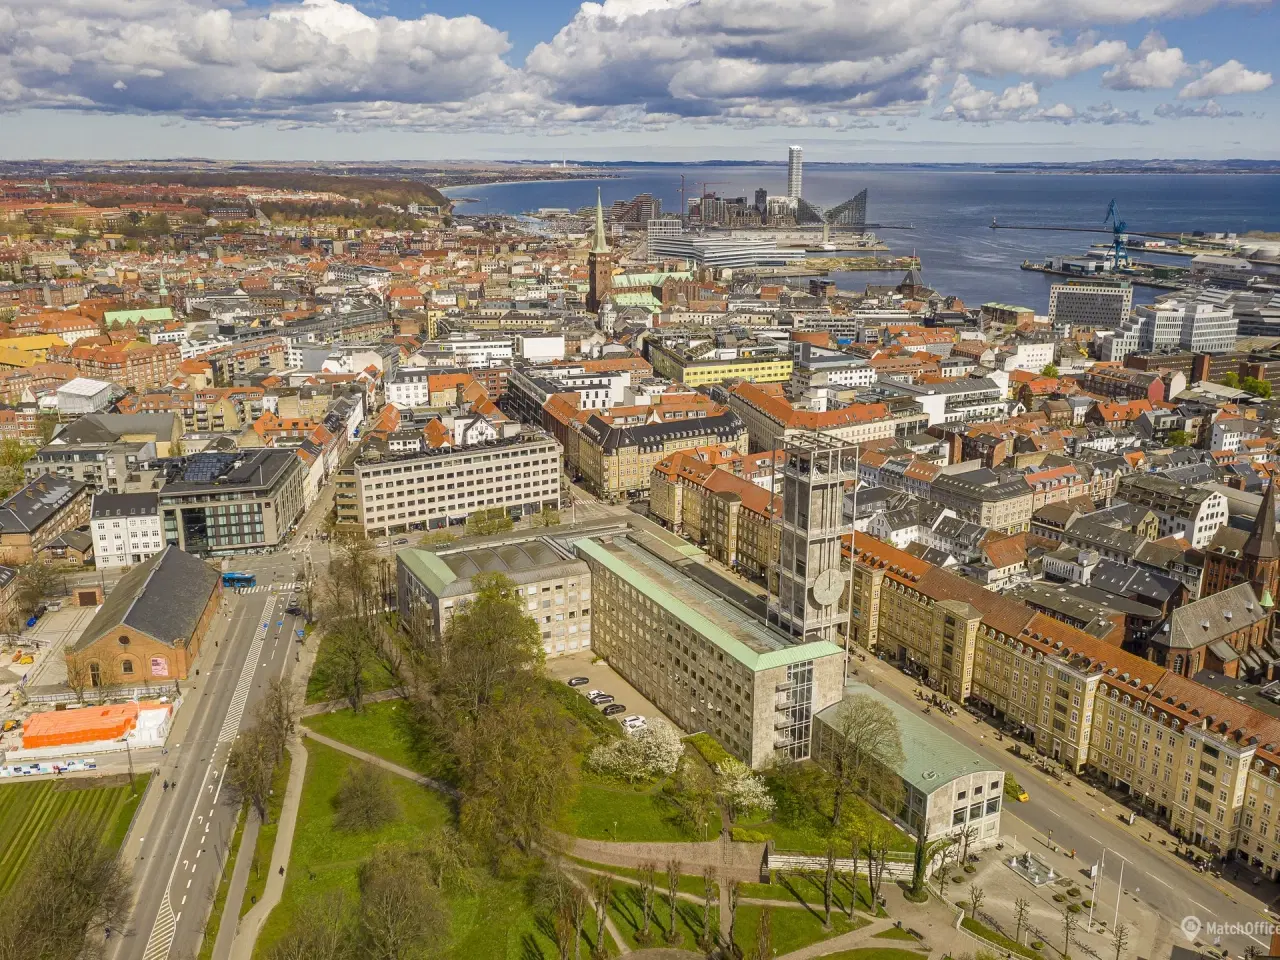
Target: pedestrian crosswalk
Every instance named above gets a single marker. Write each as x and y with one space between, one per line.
269 587
162 932
231 725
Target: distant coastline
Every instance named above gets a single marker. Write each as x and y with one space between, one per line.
512 183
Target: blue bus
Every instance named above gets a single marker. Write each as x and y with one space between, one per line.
238 580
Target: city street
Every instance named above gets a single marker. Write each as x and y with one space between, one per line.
179 840
1069 815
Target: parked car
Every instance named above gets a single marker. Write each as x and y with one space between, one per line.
634 722
592 694
578 681
401 540
384 543
294 611
613 709
601 698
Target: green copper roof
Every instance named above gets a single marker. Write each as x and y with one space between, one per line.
645 579
599 244
434 573
933 758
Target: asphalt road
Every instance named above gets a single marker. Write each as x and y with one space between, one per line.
1093 824
183 838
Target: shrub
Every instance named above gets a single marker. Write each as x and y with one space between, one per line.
1059 898
1086 903
1074 907
647 754
743 835
1073 892
970 868
709 749
364 800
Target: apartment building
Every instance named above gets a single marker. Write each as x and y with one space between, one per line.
771 420
1003 502
241 359
554 584
380 495
962 400
1184 511
730 517
105 466
704 662
1086 303
705 363
126 529
211 410
223 503
134 364
38 514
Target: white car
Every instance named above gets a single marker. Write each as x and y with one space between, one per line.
592 694
384 543
633 722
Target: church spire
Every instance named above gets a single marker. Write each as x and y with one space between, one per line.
599 245
1262 543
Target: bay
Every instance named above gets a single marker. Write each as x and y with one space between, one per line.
950 211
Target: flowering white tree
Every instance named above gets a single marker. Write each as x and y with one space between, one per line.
741 789
647 754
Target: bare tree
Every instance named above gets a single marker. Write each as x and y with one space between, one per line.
277 714
1120 939
828 883
647 871
867 741
324 931
365 800
251 769
1069 925
579 906
880 836
79 674
401 914
602 893
969 835
764 936
554 892
449 860
708 894
728 941
976 897
1021 914
673 887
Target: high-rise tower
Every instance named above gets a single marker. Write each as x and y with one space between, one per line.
795 170
812 576
599 263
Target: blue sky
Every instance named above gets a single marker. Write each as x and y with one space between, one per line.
861 80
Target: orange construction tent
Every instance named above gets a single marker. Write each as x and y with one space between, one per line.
60 728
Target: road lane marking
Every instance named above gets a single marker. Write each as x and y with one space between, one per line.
161 938
235 711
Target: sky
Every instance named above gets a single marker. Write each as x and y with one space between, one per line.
679 80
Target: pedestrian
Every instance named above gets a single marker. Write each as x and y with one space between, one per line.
166 785
282 869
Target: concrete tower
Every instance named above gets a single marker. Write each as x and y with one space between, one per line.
599 263
812 576
795 170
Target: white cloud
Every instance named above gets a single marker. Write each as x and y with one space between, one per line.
1231 77
1153 65
1210 109
1021 104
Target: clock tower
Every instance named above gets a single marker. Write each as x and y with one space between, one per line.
599 264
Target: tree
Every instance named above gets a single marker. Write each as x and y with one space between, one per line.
401 915
365 801
646 902
708 895
828 882
35 582
673 887
251 769
728 941
601 893
694 796
880 836
1069 925
73 888
277 714
926 853
578 907
1179 438
46 427
324 931
1021 915
1259 388
647 754
968 836
1231 380
484 522
1120 939
79 674
448 858
741 789
547 517
554 894
13 455
764 936
866 743
976 897
1049 370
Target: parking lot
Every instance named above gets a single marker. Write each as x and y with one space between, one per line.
602 677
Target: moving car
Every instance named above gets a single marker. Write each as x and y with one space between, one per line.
294 611
613 709
384 543
401 540
578 681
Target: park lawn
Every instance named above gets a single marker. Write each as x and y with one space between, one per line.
29 810
793 927
807 888
624 909
895 933
980 929
376 677
689 882
260 865
605 811
494 923
874 953
384 730
220 897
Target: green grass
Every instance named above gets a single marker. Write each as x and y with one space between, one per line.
319 684
792 928
577 706
386 730
895 933
494 923
608 812
874 953
689 882
220 897
807 889
29 810
624 909
260 866
979 929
